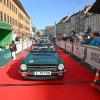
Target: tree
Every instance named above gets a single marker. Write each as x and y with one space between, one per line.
38 34
33 29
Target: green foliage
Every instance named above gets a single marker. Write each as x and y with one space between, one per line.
33 29
38 33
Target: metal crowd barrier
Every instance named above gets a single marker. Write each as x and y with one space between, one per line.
23 45
88 54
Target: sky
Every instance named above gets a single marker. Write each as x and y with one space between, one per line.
48 12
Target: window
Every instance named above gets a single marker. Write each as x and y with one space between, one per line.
16 22
16 10
20 25
4 2
7 3
12 21
1 1
8 19
10 6
1 16
5 17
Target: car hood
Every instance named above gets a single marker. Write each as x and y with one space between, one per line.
42 59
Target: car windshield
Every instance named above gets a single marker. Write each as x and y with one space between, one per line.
43 43
43 50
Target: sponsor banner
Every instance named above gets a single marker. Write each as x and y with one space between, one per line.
62 44
23 45
79 51
1 59
29 43
58 43
93 57
19 47
69 46
5 56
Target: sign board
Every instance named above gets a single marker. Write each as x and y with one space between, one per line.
79 50
69 46
62 44
5 56
58 43
93 57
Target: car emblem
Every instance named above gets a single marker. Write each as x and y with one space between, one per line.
31 61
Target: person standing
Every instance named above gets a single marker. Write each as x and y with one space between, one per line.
95 39
13 49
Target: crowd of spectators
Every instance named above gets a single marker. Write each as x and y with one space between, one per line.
92 39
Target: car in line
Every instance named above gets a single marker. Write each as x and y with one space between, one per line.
42 63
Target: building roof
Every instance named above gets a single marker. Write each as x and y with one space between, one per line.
21 6
63 19
96 7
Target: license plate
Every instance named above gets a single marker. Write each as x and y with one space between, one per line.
42 73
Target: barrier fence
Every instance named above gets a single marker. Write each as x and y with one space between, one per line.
23 45
88 54
68 47
5 54
79 51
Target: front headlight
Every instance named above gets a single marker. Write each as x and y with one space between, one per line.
23 67
60 67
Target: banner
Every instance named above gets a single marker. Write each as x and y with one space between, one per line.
5 56
57 42
93 57
23 45
19 47
69 46
62 44
79 50
1 58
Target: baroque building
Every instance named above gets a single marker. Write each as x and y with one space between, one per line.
13 12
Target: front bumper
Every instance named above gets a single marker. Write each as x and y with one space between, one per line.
54 75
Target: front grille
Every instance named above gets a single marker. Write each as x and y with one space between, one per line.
41 66
38 68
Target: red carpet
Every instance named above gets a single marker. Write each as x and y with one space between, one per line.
75 85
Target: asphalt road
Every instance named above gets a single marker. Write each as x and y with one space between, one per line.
76 84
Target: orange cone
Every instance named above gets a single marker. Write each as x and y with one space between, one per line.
96 83
97 76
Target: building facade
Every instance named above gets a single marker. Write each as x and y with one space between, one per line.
74 23
68 25
50 31
92 23
61 26
12 12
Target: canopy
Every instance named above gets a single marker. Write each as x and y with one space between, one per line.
5 26
96 7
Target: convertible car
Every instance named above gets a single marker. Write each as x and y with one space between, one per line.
42 63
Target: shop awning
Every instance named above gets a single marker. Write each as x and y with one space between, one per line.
5 26
96 7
